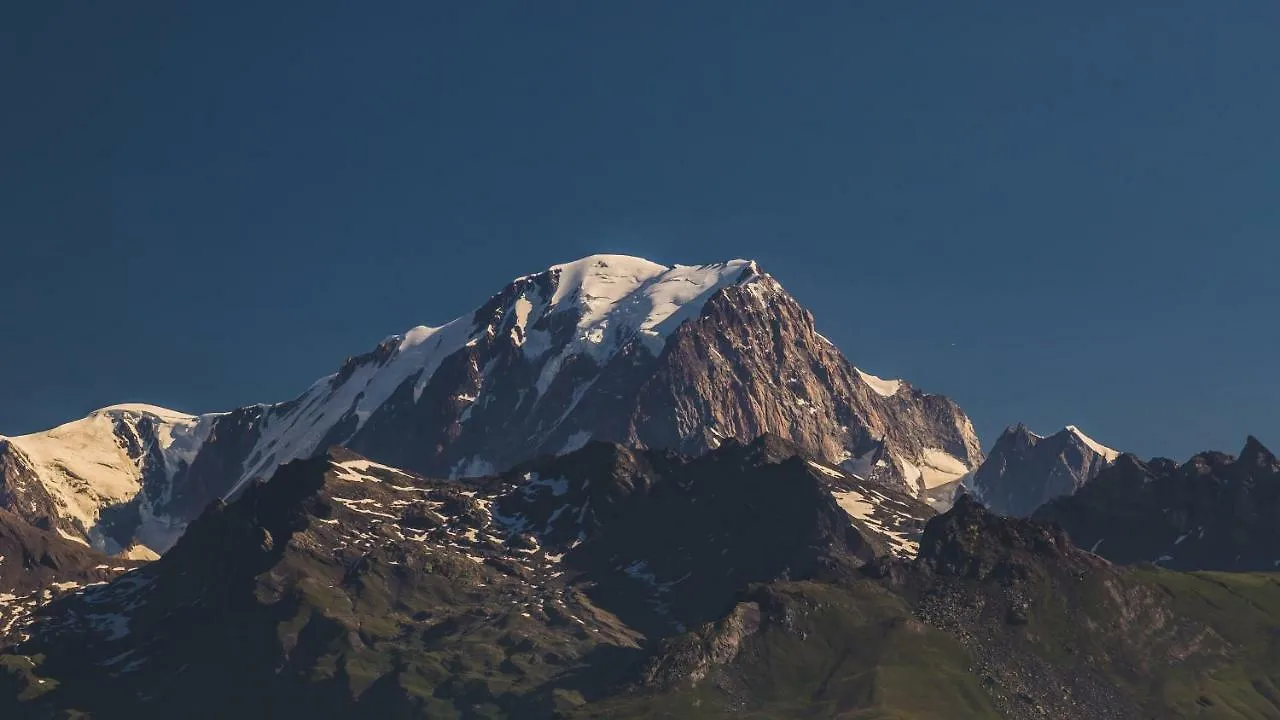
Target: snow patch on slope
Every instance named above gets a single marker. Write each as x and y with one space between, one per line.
882 387
937 467
296 432
1107 453
874 510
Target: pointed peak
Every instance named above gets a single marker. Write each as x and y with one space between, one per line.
1016 436
1109 454
1256 454
1022 429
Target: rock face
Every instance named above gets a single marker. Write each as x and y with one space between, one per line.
1213 512
1025 470
345 586
609 348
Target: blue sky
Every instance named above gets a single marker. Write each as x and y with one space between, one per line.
1053 212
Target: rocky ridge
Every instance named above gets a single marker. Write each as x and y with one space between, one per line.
1024 470
1213 512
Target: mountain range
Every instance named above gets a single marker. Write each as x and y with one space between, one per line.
620 489
1213 512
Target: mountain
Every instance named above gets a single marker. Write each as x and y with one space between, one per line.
350 587
619 583
1025 470
105 479
609 347
1213 512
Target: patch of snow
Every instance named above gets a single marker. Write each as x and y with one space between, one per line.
297 430
939 467
533 481
1107 453
869 508
575 442
882 387
140 552
362 467
519 331
472 467
826 470
73 538
620 298
355 506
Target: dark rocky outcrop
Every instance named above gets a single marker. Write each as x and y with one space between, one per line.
1213 512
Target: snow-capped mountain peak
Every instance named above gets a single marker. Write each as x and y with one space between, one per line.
102 460
1026 470
618 297
615 298
608 347
1094 445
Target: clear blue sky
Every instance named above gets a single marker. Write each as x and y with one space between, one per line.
1053 212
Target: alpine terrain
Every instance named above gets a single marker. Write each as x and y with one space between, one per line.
617 583
608 347
620 489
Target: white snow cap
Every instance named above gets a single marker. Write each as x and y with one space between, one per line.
1106 452
84 466
143 409
620 295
